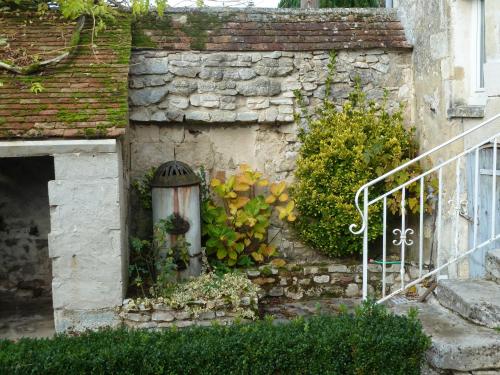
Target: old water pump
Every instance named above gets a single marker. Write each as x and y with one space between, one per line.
176 197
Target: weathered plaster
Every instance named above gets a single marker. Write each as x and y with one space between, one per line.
86 241
443 68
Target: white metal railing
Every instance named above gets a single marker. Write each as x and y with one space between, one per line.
453 189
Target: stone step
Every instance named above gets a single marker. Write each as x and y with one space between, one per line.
493 265
457 345
475 300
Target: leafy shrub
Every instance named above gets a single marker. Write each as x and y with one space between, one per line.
142 187
153 264
235 224
342 150
369 342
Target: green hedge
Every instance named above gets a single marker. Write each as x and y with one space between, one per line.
370 342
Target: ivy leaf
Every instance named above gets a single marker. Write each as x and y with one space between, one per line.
221 253
257 256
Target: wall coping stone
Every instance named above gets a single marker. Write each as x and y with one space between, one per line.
51 147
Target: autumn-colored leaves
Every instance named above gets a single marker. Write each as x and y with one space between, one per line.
237 220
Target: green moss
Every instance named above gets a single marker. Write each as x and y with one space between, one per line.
101 130
28 80
89 132
197 25
41 107
66 116
2 121
121 40
141 40
118 116
151 21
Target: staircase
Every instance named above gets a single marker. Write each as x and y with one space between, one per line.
461 319
463 238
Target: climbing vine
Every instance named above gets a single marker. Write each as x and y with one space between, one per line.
341 150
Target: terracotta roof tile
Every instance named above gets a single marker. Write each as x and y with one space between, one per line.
271 30
84 95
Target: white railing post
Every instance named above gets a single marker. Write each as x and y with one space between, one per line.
365 245
421 227
476 196
493 189
440 217
384 246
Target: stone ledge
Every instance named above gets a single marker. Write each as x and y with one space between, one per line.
466 111
41 148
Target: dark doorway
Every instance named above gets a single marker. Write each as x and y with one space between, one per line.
25 268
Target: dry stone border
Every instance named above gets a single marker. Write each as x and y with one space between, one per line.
301 281
160 315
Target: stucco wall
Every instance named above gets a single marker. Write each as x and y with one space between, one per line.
86 241
25 268
446 101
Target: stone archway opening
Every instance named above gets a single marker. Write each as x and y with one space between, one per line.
25 267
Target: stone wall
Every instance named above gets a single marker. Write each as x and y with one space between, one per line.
162 316
25 268
301 281
222 109
254 87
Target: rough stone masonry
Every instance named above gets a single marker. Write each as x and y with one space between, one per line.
221 109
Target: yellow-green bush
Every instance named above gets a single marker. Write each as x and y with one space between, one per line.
342 150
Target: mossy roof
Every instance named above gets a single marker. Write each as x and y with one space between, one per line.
258 29
82 96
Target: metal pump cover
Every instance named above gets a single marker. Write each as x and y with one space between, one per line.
174 174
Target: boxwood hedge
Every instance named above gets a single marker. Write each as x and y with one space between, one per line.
371 341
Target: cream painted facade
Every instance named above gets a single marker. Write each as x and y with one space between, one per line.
456 67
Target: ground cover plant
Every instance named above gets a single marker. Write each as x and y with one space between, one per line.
208 292
372 341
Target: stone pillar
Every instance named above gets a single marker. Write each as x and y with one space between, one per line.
87 239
